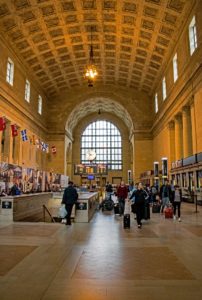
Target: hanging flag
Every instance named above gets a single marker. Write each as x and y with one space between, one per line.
14 130
38 144
53 148
24 135
2 123
44 146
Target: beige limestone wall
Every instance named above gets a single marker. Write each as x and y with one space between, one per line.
181 93
161 146
137 104
17 111
198 116
56 162
143 157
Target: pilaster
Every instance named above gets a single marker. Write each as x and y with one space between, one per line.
187 131
171 128
178 137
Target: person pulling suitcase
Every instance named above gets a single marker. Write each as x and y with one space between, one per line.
139 203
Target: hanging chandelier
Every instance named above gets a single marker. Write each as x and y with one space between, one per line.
90 72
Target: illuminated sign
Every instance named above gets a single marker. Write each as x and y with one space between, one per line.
97 169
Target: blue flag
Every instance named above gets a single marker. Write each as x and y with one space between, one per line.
24 135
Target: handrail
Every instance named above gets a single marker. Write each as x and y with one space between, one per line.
45 209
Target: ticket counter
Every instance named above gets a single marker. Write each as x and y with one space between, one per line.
22 207
16 208
86 206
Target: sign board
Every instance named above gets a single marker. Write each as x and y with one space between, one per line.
6 204
86 169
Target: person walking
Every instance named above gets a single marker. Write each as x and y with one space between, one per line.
177 199
165 194
70 198
122 193
140 196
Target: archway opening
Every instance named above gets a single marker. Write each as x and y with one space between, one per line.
104 138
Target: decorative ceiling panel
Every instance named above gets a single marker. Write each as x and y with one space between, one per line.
132 40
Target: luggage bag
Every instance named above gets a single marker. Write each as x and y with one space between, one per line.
147 212
126 221
168 212
156 208
116 208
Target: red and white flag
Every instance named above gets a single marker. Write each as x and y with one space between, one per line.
53 148
2 123
14 130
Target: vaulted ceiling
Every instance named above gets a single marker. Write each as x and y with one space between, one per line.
132 39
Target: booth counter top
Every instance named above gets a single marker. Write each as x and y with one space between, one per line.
86 205
22 206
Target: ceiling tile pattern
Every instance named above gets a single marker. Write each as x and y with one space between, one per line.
132 39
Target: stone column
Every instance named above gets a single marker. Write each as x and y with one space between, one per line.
193 126
132 141
178 137
171 128
187 131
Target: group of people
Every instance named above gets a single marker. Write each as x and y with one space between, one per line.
13 191
141 197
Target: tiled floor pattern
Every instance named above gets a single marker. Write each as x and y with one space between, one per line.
10 256
154 263
102 261
18 229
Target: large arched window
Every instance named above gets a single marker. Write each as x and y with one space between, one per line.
105 139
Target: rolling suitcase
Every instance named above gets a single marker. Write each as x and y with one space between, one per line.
116 208
156 208
168 211
147 212
126 221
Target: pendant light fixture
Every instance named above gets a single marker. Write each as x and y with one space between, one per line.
90 72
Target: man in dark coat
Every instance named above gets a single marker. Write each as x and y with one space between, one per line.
70 197
140 202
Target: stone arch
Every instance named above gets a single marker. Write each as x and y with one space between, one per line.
124 131
98 105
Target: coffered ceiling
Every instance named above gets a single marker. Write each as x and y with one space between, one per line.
132 39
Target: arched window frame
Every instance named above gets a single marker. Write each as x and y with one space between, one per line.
105 139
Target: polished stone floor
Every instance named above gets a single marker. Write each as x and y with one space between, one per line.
101 260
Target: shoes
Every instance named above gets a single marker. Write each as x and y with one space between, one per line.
179 219
174 218
139 226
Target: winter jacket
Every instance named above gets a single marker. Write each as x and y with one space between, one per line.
140 196
70 195
122 192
